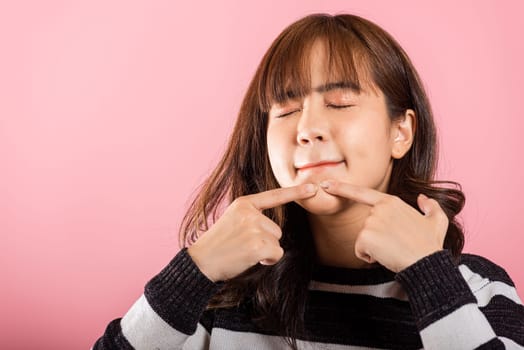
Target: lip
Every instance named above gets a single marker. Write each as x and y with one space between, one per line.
327 163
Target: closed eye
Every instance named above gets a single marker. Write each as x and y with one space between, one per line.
286 114
329 105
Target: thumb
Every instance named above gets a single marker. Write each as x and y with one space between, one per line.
426 204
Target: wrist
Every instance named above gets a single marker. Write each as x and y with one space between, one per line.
434 283
413 259
194 253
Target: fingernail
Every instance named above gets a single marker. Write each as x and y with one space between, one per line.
423 196
325 184
310 188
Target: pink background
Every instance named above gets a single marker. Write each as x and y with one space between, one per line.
112 113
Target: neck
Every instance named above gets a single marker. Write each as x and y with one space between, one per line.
335 236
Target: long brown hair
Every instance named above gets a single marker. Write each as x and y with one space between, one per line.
361 52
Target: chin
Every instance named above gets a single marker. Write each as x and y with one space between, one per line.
323 204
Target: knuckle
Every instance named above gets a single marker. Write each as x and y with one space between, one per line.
244 218
247 216
239 202
393 200
255 245
250 216
274 230
368 222
280 252
278 232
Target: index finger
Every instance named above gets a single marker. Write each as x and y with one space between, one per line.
360 194
279 196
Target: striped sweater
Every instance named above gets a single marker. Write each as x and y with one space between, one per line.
433 304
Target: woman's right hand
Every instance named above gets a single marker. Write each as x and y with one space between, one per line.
243 236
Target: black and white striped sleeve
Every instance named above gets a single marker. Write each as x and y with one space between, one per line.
472 305
167 315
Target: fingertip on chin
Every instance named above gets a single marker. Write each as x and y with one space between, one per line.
310 188
327 184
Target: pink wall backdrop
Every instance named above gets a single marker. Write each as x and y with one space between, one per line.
112 113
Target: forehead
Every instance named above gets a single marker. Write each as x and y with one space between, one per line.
321 65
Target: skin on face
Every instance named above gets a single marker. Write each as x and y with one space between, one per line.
357 138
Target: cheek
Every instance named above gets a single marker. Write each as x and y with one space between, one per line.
279 153
367 150
274 147
366 137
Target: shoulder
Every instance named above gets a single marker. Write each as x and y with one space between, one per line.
479 265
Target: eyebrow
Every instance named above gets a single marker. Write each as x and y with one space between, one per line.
338 85
348 85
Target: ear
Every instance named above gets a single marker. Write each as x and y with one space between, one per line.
402 132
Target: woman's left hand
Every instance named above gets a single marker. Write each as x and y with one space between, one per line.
394 234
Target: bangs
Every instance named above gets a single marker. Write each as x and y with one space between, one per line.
287 73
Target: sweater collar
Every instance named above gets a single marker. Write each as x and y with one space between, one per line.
352 276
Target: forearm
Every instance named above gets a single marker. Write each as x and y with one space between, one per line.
448 313
167 313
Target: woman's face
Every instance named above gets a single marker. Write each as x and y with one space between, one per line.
332 133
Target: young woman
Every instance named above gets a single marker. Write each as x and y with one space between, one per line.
335 233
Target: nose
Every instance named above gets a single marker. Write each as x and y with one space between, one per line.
312 127
307 137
